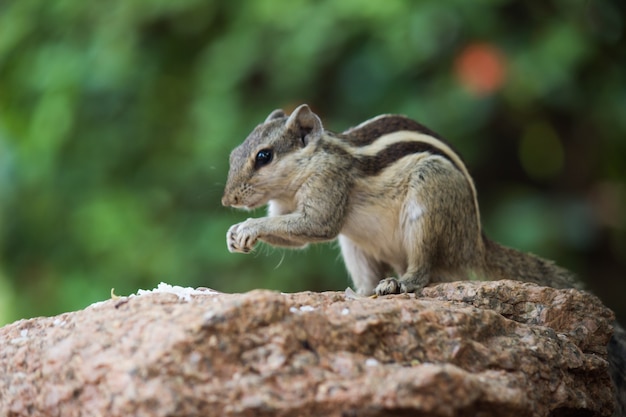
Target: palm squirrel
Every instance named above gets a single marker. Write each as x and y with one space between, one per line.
395 194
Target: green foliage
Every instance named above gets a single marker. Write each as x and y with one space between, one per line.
117 117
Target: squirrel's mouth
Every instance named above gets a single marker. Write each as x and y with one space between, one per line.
251 205
256 204
245 203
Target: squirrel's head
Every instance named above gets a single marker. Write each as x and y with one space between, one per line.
268 164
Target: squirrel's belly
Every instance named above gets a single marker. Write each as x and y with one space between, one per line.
377 231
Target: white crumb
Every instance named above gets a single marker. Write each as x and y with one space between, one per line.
371 362
19 340
302 309
183 293
345 311
350 294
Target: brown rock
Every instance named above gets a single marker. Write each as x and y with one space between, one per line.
468 348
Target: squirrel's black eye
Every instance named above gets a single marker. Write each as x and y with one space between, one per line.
263 157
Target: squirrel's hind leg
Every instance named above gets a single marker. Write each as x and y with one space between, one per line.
364 270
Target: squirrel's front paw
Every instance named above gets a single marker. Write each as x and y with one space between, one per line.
390 286
242 237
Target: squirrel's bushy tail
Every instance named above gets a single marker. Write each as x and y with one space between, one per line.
505 263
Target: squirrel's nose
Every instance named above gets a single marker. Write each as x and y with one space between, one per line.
228 201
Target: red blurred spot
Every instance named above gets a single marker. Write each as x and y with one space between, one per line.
480 68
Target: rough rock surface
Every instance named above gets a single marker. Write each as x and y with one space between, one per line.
468 348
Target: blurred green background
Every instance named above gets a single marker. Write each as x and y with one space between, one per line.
117 118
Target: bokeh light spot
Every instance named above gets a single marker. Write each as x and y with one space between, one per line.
480 68
541 151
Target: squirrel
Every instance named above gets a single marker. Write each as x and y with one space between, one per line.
395 194
397 197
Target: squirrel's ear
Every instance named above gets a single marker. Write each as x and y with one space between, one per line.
305 123
276 114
